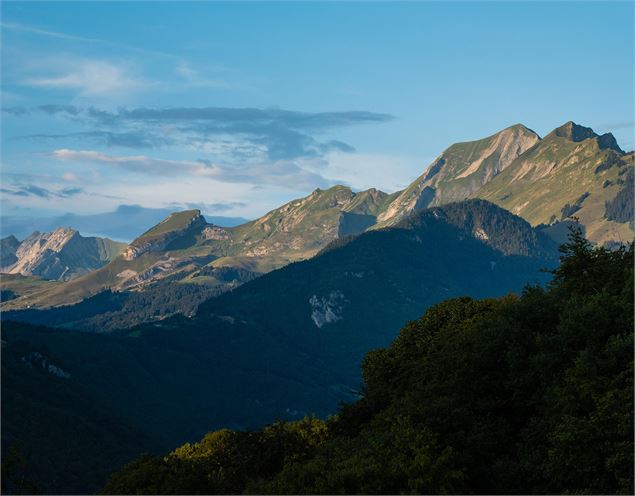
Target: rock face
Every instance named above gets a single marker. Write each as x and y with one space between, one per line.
460 171
60 255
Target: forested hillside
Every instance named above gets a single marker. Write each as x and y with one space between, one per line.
521 394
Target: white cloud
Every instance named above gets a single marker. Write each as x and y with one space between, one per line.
284 173
134 163
90 78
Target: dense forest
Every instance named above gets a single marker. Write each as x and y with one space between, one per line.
520 394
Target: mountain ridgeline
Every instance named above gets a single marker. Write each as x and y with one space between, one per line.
185 248
572 172
284 345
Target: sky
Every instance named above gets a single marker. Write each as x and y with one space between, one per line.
236 108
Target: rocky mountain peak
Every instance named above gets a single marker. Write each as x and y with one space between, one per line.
174 226
608 141
61 254
573 132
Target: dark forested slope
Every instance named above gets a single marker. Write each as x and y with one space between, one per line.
517 395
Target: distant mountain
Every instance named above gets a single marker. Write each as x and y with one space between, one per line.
124 224
571 172
289 342
62 254
185 247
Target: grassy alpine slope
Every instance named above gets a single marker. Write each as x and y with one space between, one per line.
518 395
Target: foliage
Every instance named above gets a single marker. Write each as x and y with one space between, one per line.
221 461
528 394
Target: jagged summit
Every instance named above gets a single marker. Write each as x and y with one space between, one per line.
608 141
61 254
572 131
522 128
177 225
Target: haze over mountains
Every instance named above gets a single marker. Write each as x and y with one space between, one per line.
123 224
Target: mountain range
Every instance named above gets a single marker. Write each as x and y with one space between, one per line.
572 173
284 345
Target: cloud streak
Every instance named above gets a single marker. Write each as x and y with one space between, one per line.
227 135
280 173
89 78
40 192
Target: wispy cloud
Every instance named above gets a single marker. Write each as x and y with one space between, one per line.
281 173
40 192
216 207
225 135
89 78
134 163
48 33
254 146
194 79
45 32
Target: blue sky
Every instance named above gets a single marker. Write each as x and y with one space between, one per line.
238 107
